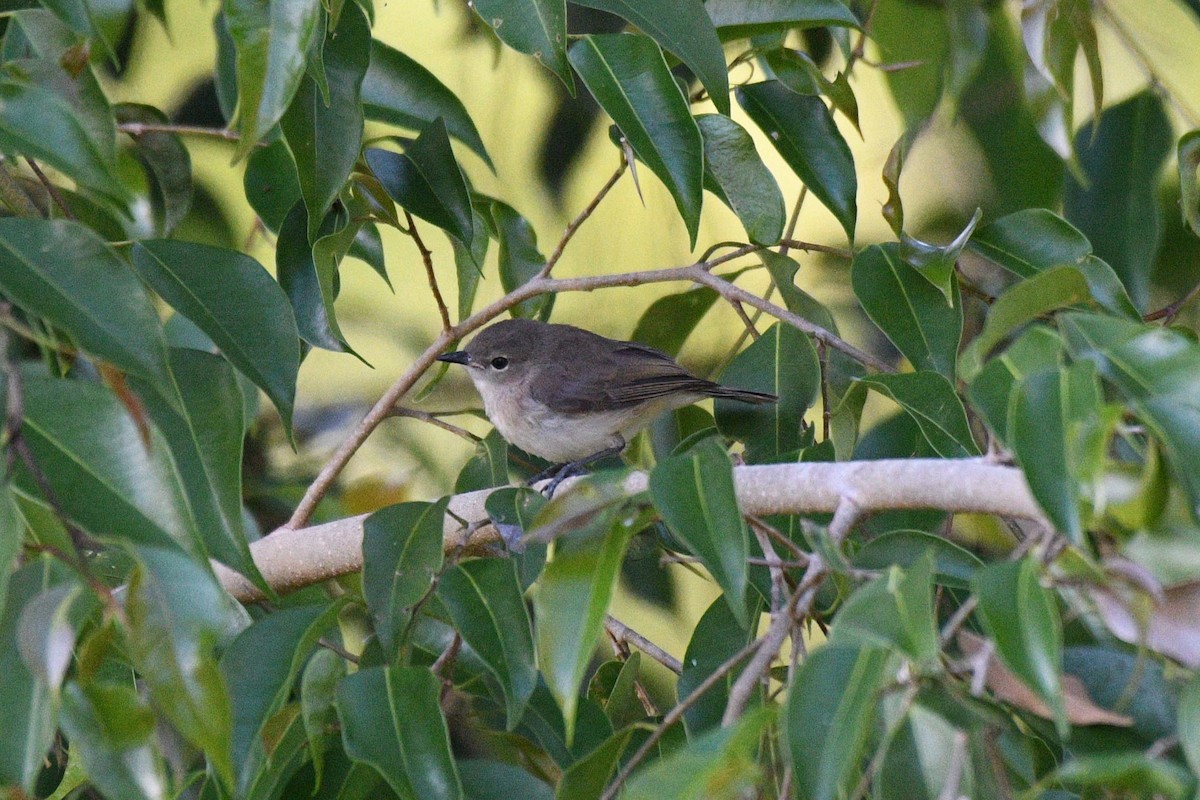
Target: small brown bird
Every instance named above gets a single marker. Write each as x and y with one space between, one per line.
571 396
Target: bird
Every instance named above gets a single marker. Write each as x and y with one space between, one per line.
573 397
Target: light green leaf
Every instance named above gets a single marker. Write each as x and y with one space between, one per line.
1039 347
932 403
735 172
894 610
1188 156
628 76
587 778
111 730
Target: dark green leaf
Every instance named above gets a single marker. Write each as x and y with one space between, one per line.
953 565
930 400
1022 618
487 468
535 27
177 612
804 133
572 599
232 299
1137 774
391 719
1029 241
468 264
683 29
1188 155
103 478
270 183
782 362
587 778
309 286
109 314
427 181
399 91
485 603
669 320
29 723
694 493
736 19
1057 287
717 637
720 765
1037 348
206 442
260 667
272 41
628 76
936 263
318 704
1189 723
910 311
111 730
841 687
324 133
402 552
493 780
520 259
167 162
735 172
1156 369
368 248
894 610
1118 209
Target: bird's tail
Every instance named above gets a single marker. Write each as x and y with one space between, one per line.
741 395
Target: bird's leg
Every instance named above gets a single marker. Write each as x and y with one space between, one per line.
548 472
574 468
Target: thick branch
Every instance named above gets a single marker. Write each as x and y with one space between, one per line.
292 558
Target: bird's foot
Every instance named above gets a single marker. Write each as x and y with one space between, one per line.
569 470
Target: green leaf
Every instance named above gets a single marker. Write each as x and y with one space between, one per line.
260 667
935 263
572 599
783 362
536 28
1156 369
309 283
669 320
1189 723
894 610
399 91
831 711
717 637
1133 774
1022 618
804 133
1057 287
392 720
736 19
720 765
953 565
324 134
487 468
318 705
587 778
176 614
1037 348
167 162
111 731
236 303
206 443
468 264
1118 209
494 780
484 600
734 171
40 118
1188 157
29 718
932 403
1029 241
680 28
520 259
427 181
91 452
909 310
628 76
12 534
271 40
694 493
402 552
108 314
270 183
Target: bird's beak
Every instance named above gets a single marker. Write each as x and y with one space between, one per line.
457 357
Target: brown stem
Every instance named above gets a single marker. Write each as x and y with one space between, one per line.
427 259
623 633
139 128
1168 312
425 416
580 218
826 412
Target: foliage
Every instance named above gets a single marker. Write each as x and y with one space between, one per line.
914 653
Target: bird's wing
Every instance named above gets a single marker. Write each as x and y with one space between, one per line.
642 374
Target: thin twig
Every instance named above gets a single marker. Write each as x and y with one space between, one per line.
826 411
799 554
846 516
425 416
957 619
813 247
623 633
748 323
676 714
580 218
1168 312
51 189
427 259
336 648
793 220
140 128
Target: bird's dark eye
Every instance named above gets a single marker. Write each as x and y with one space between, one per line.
499 362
